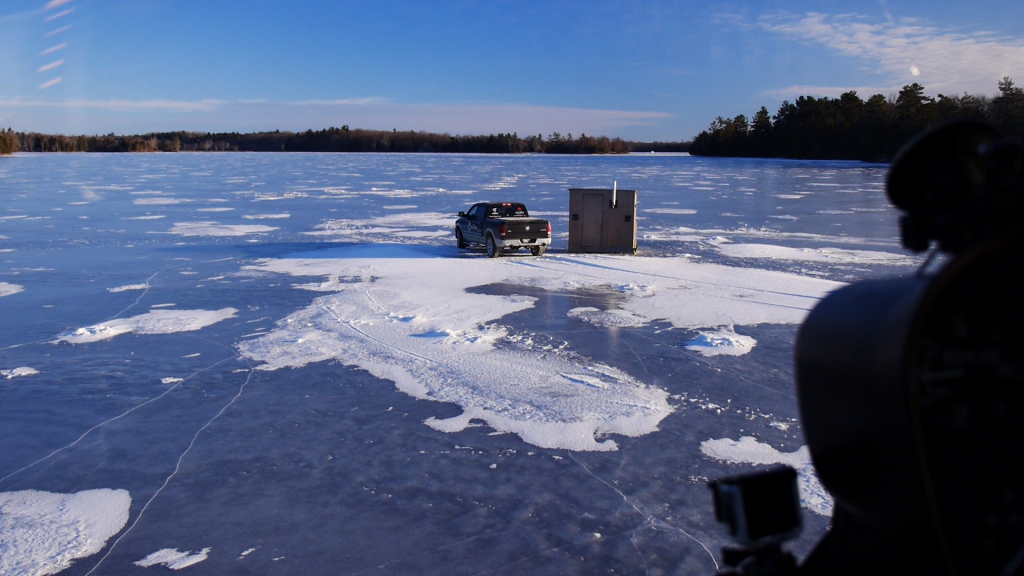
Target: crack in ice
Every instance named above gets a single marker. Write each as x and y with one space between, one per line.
115 418
649 520
177 467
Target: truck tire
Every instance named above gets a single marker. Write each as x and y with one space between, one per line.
537 250
459 240
493 251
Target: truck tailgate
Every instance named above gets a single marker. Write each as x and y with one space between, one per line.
520 228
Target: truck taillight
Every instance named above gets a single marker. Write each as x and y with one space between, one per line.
503 229
549 228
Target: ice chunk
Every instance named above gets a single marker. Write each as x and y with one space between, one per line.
607 318
721 342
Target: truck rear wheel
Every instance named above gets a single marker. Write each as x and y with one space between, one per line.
537 250
493 251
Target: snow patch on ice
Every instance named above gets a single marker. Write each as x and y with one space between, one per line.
128 287
266 216
388 228
833 255
680 211
159 201
42 533
722 342
414 323
173 559
7 289
19 371
640 290
607 318
686 234
150 217
747 450
152 322
215 229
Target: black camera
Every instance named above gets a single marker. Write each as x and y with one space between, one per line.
911 388
761 511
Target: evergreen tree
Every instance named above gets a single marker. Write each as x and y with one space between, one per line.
8 143
1008 108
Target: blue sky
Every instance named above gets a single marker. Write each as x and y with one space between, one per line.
639 70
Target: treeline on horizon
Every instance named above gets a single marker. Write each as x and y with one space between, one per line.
848 128
331 139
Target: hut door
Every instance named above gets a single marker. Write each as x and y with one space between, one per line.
593 214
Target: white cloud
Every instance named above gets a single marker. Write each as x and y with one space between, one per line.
905 51
118 105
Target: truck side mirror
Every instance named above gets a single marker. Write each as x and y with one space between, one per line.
462 214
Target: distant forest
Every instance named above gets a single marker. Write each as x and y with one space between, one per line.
330 140
848 128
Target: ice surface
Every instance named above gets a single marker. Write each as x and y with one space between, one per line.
153 322
174 559
19 371
6 288
747 450
219 454
42 533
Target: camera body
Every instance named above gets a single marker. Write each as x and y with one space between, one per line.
761 511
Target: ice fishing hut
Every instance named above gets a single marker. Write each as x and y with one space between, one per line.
602 220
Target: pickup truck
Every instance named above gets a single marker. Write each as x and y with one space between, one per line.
500 226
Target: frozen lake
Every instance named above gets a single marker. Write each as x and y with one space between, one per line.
281 363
